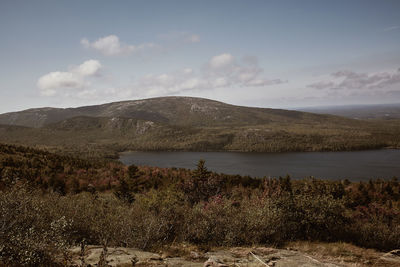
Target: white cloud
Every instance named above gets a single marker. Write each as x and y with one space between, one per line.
88 68
220 82
244 73
75 78
151 85
221 61
58 79
111 46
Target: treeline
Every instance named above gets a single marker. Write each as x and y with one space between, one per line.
105 140
144 207
53 172
65 174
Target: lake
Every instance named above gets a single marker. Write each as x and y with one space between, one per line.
353 165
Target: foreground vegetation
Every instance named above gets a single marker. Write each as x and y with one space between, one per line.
50 202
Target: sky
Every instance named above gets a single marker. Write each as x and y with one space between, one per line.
280 54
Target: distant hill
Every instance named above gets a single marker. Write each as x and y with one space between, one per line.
184 111
384 111
187 123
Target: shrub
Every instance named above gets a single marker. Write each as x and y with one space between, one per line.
31 233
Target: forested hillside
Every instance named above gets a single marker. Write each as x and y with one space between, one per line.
180 123
50 202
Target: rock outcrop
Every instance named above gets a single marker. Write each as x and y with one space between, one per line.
234 257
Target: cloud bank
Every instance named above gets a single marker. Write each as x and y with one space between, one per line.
221 71
350 80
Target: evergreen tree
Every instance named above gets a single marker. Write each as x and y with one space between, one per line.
128 185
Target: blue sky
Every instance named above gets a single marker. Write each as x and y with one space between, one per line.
259 53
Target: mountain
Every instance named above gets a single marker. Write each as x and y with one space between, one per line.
187 123
183 111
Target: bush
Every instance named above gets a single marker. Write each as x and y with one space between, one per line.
31 233
375 225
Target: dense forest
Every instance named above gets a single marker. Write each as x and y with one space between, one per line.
50 202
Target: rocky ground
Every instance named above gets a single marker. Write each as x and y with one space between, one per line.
296 254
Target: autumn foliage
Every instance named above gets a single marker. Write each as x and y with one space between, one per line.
49 202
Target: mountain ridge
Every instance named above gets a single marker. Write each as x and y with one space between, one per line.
171 110
191 124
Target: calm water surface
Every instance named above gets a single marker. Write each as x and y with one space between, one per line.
355 165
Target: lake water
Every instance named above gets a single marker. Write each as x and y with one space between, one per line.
354 165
